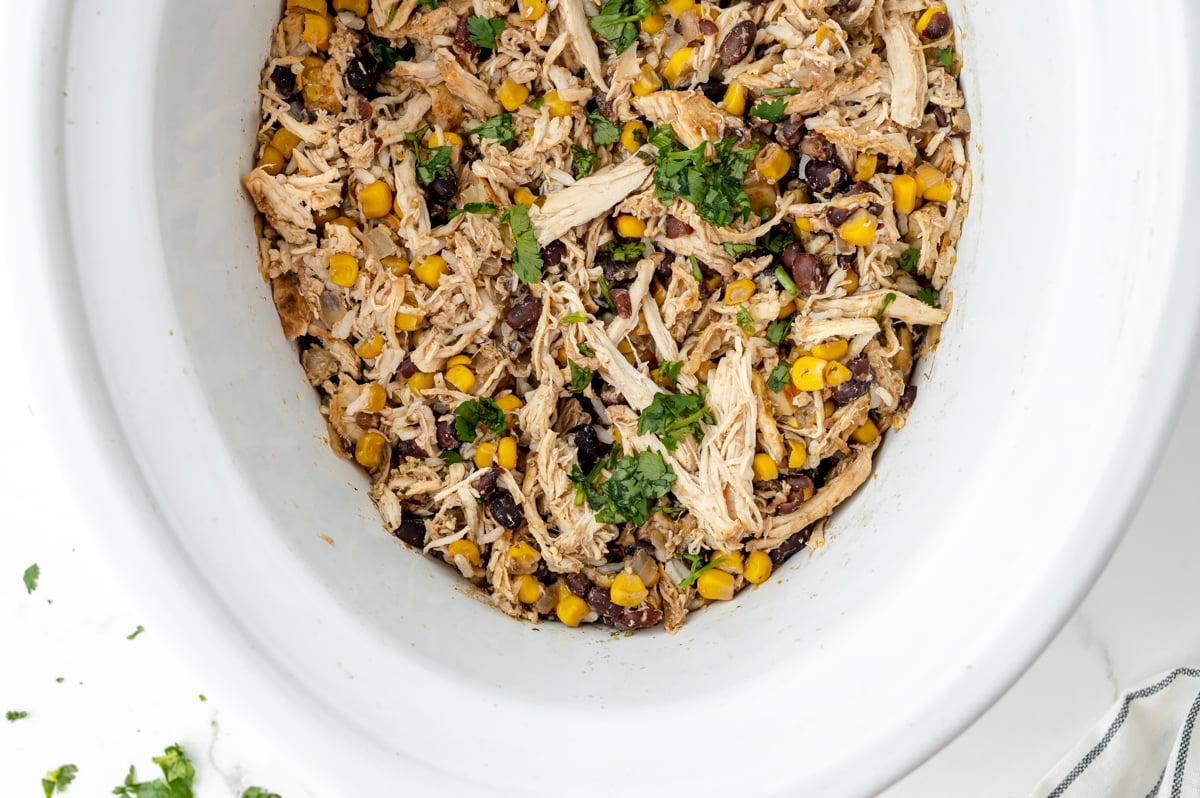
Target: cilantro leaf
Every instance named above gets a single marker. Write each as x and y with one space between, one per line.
484 30
625 251
527 256
583 161
585 349
696 273
673 416
770 110
392 12
736 249
136 632
30 577
698 567
662 137
581 377
498 127
385 54
777 330
578 317
928 296
536 102
59 779
785 279
13 716
946 57
779 377
176 782
775 239
744 318
636 481
432 167
668 372
604 132
473 207
712 182
785 91
473 412
259 792
909 258
887 300
617 18
607 294
450 457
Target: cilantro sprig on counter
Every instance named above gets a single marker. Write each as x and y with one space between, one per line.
526 256
473 412
674 416
176 781
30 577
709 176
12 716
61 777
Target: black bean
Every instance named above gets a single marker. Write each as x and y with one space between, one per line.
863 187
852 389
285 80
609 395
409 449
847 262
825 178
439 212
543 573
789 133
407 368
939 115
444 186
411 532
462 39
605 106
588 448
364 72
600 600
708 27
784 551
446 436
790 506
939 26
524 315
578 584
908 398
553 253
714 90
615 553
815 145
663 270
366 420
838 216
641 617
675 228
613 271
807 270
737 43
504 510
624 305
799 483
842 7
488 481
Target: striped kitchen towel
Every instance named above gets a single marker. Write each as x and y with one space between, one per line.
1144 748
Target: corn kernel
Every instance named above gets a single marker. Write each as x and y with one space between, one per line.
376 398
571 609
524 196
867 433
797 456
506 453
713 282
325 215
430 270
678 65
529 589
715 585
316 6
927 17
346 222
647 82
272 160
512 95
859 229
904 194
376 200
396 265
927 177
836 374
522 556
465 549
461 378
449 138
803 225
850 283
739 291
628 590
677 7
865 165
659 293
831 350
829 407
485 453
735 99
343 270
369 450
419 382
285 141
633 136
653 24
408 322
758 567
765 468
358 8
316 31
556 105
509 403
531 10
773 162
630 226
370 347
943 192
731 563
459 360
808 373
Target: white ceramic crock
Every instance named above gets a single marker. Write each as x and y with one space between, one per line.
198 442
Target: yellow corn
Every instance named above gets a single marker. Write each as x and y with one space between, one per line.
529 589
396 265
927 17
442 139
739 291
773 162
808 373
458 360
803 225
633 136
325 215
523 556
647 82
731 563
904 194
927 177
659 293
272 160
758 567
556 105
343 270
430 270
316 31
419 382
358 8
867 433
524 196
859 229
512 95
531 10
765 468
370 347
408 322
677 7
465 549
836 374
376 398
506 453
628 590
346 222
653 24
630 226
678 65
509 403
376 200
285 141
484 455
735 99
369 450
943 192
865 166
715 585
316 6
798 456
850 284
831 350
829 407
461 378
571 609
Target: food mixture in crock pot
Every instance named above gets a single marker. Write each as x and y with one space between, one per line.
613 303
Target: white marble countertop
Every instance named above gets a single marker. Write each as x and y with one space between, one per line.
102 702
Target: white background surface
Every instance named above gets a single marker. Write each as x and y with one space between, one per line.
123 701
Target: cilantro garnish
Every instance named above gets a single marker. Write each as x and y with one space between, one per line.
431 168
777 330
176 782
259 792
928 296
473 207
136 632
779 377
662 137
15 715
484 30
61 777
785 279
30 577
607 295
536 102
585 484
392 13
711 182
578 317
785 91
527 257
604 132
625 251
450 457
583 161
386 54
770 110
636 481
585 349
744 318
887 300
946 57
673 416
775 239
473 412
697 567
696 268
668 372
498 127
617 18
909 258
736 249
581 377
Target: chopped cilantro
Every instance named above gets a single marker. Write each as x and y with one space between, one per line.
581 377
607 295
699 275
636 481
484 30
946 57
450 457
673 416
775 239
473 412
136 632
625 251
30 577
474 207
385 54
536 102
583 161
698 567
431 168
498 127
744 318
392 12
777 330
736 249
887 300
202 697
604 132
662 137
578 317
779 377
712 182
61 777
430 4
785 279
617 18
668 372
928 296
770 110
527 256
585 349
909 258
15 715
176 782
59 679
259 792
785 91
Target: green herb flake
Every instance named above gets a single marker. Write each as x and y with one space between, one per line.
583 161
392 13
203 698
777 330
617 21
30 578
607 294
536 103
779 377
498 127
385 54
585 349
259 792
636 481
785 279
60 778
450 457
745 319
60 680
736 249
473 412
712 181
674 416
484 30
581 377
625 251
887 300
578 317
770 110
946 57
526 256
928 296
698 567
12 716
136 632
909 258
430 4
699 275
785 91
431 168
176 781
668 372
604 132
473 207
